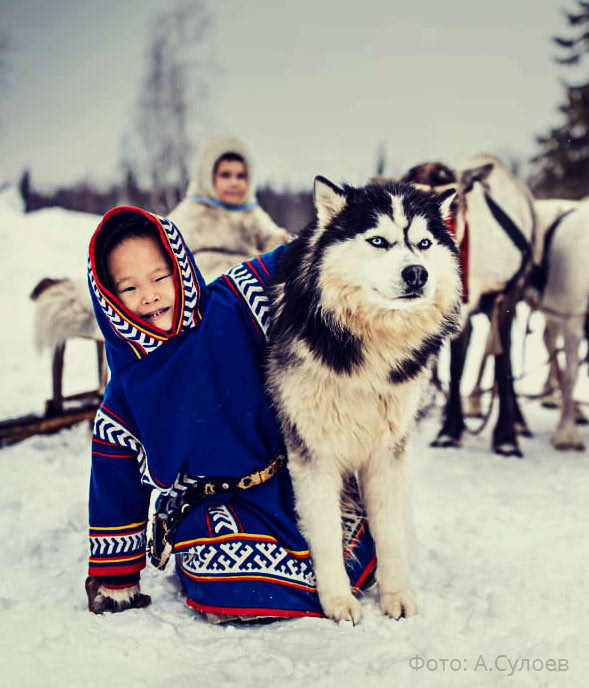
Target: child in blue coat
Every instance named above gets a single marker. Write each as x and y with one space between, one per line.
186 413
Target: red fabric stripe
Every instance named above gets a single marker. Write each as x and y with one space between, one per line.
253 269
464 263
110 444
159 482
115 456
364 575
98 532
94 570
121 586
232 510
463 252
265 268
250 611
112 413
209 528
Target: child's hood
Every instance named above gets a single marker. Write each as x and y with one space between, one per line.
202 182
128 337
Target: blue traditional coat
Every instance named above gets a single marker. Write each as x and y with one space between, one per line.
191 402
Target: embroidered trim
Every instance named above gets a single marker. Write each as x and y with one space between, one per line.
221 520
117 544
247 560
253 293
141 340
111 430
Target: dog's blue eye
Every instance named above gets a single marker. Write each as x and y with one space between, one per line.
377 242
424 243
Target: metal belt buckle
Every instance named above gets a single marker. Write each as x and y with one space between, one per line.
249 481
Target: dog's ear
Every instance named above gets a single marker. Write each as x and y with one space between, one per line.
445 200
328 198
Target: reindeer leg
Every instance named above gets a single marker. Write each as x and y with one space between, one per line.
473 405
567 436
504 434
102 368
55 405
453 427
550 391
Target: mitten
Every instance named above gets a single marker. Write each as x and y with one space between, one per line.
114 595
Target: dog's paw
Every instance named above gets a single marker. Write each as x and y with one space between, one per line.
342 608
398 604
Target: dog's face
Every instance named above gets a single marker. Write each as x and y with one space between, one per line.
386 247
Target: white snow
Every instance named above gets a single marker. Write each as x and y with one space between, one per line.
500 572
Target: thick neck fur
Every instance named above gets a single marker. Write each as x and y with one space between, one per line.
346 334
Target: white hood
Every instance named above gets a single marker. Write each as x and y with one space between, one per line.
202 181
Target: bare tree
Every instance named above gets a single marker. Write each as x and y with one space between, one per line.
172 88
4 65
381 159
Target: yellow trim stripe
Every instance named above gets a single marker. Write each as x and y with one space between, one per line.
134 349
131 525
118 560
240 536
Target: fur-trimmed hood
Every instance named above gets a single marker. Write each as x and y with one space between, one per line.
202 181
129 337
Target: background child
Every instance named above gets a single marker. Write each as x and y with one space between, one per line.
220 218
186 398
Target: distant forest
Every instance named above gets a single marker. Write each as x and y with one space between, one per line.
289 209
560 167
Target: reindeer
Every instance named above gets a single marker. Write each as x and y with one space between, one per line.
495 226
563 298
549 213
64 311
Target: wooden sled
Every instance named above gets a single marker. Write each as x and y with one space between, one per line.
73 409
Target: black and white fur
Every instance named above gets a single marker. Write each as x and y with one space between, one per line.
364 297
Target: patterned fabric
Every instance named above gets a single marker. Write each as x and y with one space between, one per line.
140 336
188 404
117 550
248 283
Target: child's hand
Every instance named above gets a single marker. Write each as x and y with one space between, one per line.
102 599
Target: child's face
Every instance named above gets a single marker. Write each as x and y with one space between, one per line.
230 181
143 280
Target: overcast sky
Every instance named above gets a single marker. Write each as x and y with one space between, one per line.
312 86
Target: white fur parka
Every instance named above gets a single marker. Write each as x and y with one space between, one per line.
239 234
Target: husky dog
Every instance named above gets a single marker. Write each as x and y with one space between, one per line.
363 298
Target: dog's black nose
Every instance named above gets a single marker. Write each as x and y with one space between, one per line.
415 276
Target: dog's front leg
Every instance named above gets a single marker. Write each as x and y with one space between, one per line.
385 487
317 490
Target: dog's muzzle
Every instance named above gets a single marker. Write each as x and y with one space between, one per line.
415 277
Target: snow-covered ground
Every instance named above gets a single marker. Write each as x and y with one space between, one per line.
500 573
